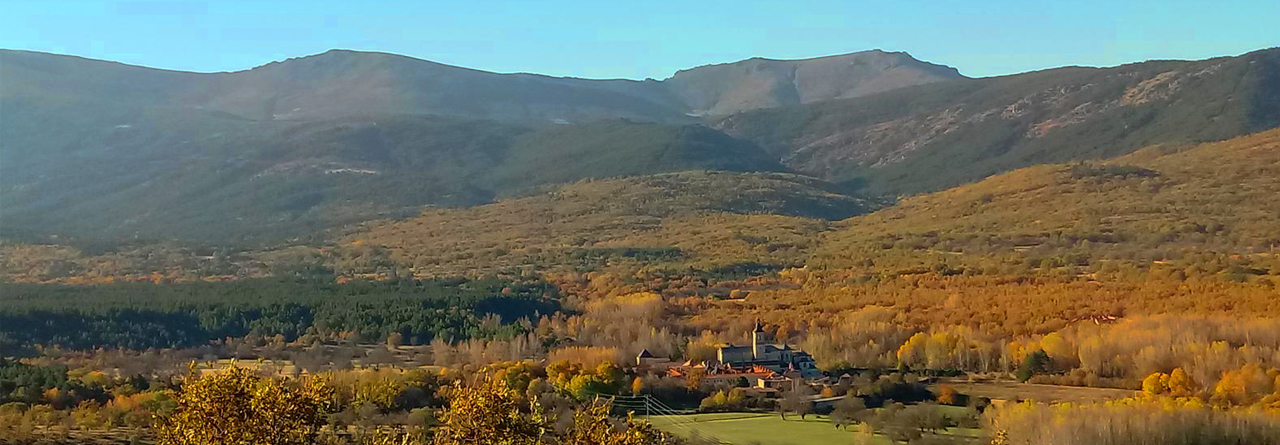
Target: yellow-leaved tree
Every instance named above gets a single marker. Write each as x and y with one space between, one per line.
238 407
1180 384
490 412
1155 384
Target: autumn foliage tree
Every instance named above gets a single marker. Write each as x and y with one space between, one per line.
947 395
1138 421
237 407
490 412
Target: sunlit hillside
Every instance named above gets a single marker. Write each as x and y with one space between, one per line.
1165 230
708 220
1163 205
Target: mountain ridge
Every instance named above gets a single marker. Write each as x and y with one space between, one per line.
756 83
930 137
420 59
428 82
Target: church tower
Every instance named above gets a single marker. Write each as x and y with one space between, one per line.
759 338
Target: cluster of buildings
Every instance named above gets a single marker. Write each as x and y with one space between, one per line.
764 365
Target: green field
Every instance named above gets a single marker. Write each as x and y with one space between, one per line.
769 429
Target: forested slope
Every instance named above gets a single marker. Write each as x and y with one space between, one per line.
707 219
200 176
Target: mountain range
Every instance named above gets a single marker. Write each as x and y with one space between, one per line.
940 135
99 149
344 84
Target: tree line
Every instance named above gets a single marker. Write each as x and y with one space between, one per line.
142 315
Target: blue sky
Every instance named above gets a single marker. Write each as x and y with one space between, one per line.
638 39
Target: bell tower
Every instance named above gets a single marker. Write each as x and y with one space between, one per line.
759 338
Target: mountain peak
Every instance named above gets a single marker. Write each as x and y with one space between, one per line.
758 82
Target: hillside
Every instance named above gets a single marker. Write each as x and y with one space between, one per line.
202 176
707 220
1161 231
1181 230
1161 207
933 137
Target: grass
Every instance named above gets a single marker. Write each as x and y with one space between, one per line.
769 429
1039 393
745 428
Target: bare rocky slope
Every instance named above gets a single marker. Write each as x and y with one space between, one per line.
932 137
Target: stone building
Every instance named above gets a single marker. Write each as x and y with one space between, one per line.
764 353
